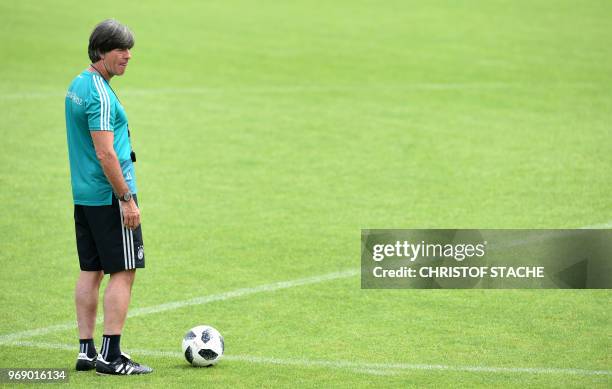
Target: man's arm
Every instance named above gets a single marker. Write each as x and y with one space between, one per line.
103 143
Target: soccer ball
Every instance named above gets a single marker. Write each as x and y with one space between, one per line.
203 346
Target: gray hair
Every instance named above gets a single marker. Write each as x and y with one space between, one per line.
109 35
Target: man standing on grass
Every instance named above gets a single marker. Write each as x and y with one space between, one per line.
106 214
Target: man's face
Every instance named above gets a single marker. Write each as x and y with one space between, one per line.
117 60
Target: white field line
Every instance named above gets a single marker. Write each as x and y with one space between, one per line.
385 372
549 235
598 226
361 367
7 338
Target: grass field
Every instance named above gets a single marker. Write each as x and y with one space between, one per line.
268 134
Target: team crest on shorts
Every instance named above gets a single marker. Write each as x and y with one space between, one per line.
140 253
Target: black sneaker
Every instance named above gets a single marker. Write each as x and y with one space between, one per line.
84 363
120 366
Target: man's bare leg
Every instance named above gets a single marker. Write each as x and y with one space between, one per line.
86 299
116 302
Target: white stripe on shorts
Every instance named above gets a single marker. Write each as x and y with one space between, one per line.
125 257
133 262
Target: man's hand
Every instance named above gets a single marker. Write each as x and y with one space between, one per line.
131 214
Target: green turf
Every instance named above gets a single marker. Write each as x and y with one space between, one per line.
269 133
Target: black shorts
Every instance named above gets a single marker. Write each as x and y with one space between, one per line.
103 243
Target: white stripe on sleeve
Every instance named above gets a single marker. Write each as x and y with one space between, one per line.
102 101
104 104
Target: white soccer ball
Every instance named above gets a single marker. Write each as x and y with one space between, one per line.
203 346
